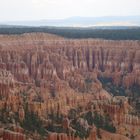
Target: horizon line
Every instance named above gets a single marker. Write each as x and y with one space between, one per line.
69 18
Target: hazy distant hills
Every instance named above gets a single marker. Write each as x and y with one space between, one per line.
82 22
115 28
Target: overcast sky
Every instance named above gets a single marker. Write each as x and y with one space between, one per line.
11 10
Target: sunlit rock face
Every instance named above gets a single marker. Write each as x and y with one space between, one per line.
11 135
33 57
46 74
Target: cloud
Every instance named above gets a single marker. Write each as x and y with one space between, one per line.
44 9
70 3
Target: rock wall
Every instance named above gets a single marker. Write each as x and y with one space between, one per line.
10 135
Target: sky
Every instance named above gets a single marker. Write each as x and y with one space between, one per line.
20 10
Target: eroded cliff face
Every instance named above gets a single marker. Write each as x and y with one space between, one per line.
45 74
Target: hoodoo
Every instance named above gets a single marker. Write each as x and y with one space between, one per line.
53 88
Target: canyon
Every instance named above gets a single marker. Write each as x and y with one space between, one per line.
54 88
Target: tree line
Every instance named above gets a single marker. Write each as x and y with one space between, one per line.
110 34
